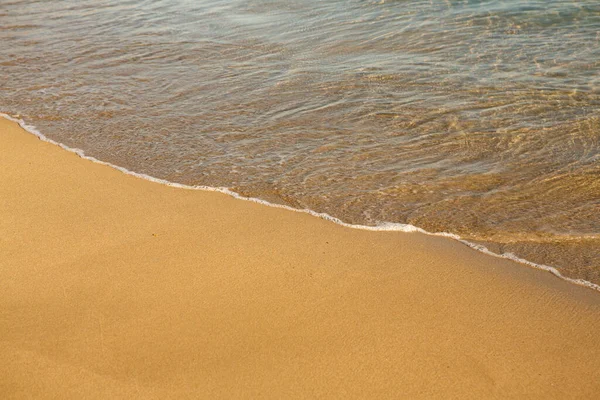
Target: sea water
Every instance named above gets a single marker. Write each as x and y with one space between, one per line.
476 118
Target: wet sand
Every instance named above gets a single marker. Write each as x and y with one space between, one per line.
117 287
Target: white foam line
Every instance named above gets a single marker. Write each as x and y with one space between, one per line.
386 226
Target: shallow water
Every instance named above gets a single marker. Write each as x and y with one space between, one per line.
480 118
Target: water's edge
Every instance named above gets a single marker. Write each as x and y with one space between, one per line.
386 226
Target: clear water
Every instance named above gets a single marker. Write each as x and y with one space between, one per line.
480 118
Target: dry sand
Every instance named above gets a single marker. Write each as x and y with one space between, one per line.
116 287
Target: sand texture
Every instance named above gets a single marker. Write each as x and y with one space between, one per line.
116 287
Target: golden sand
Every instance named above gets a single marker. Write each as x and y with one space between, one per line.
117 287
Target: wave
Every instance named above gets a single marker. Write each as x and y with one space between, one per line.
384 226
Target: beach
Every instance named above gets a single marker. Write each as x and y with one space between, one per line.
117 287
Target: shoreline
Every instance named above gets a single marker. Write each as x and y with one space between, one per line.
386 226
120 287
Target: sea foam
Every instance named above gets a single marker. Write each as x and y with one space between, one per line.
384 226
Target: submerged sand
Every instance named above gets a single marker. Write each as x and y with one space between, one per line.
117 287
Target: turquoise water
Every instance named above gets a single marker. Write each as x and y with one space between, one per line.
479 118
